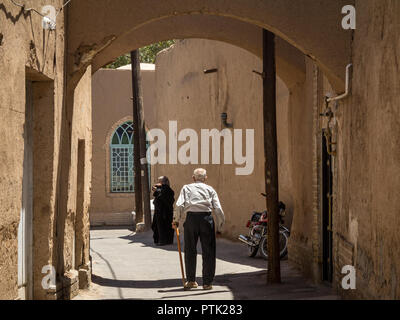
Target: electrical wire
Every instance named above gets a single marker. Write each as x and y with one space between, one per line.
39 13
59 10
26 10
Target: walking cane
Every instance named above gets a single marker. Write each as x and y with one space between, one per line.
180 255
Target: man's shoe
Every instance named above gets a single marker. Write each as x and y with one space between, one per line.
207 287
190 285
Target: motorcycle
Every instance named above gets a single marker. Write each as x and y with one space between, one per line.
258 227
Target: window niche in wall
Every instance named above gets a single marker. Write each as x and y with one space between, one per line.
121 159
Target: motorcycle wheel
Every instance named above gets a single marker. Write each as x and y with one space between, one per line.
252 251
282 245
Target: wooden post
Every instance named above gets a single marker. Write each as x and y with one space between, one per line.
271 156
142 144
136 135
145 176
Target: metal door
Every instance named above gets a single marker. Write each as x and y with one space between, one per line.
327 187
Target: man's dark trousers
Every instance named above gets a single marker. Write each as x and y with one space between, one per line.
200 225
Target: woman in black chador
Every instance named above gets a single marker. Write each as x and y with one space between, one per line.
163 212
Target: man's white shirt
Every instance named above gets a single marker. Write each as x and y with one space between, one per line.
199 197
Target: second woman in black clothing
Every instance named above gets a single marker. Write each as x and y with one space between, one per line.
164 200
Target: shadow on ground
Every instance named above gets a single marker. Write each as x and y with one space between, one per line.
228 251
241 284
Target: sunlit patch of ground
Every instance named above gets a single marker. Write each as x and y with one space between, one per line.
127 265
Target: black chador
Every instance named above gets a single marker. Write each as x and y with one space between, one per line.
163 215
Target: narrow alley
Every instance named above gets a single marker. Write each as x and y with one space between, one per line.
284 114
127 265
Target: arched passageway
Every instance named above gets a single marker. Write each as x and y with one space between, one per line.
290 61
183 89
116 29
57 65
311 26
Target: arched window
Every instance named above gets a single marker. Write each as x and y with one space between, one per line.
121 152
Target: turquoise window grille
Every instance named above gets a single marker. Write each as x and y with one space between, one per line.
121 152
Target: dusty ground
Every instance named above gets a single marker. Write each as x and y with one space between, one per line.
128 266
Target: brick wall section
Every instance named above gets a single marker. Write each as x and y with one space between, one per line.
317 108
299 256
344 256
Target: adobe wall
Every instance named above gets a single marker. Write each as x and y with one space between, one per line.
76 239
27 52
366 166
367 217
112 106
30 53
301 155
195 100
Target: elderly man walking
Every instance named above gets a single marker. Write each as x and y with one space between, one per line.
198 200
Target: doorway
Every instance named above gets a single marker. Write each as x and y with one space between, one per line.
26 215
327 186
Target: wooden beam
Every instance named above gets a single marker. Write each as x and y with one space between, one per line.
145 175
135 65
271 156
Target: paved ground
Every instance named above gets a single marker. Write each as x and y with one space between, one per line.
127 265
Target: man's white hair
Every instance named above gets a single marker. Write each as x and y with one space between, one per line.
200 174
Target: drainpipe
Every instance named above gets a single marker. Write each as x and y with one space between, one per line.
346 93
328 113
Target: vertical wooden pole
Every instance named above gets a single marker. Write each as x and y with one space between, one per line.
142 143
145 176
136 135
271 156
